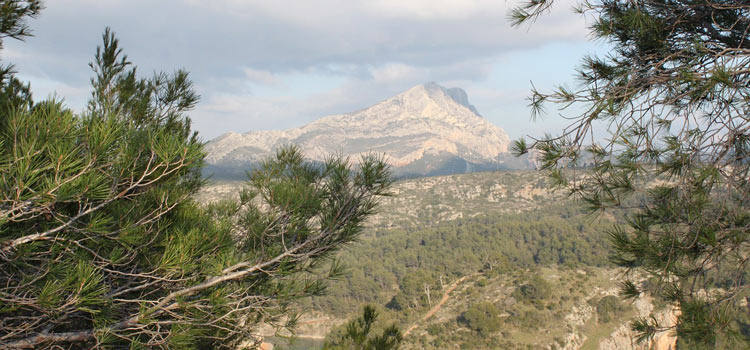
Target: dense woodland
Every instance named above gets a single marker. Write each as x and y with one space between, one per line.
393 268
536 253
549 260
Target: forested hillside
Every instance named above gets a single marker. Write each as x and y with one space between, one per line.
490 260
394 267
486 235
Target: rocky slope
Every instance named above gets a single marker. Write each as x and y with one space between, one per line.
437 199
426 130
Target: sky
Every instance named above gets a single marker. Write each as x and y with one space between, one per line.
279 64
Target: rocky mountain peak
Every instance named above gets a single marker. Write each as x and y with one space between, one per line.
432 95
458 95
423 129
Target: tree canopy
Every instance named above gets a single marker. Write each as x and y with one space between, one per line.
102 244
674 93
358 334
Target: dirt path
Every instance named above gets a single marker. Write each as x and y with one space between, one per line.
437 306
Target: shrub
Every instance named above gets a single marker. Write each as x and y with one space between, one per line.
482 318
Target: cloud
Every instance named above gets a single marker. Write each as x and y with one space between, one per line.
248 57
261 76
285 109
400 73
283 36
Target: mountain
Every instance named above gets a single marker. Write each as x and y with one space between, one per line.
426 130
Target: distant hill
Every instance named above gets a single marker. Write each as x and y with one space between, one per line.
426 130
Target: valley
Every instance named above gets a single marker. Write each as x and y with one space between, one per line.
511 264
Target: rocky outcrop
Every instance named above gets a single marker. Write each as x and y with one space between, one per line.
666 340
623 338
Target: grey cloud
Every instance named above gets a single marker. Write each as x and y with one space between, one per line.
219 37
380 47
283 112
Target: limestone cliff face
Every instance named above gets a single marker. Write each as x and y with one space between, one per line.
623 338
423 128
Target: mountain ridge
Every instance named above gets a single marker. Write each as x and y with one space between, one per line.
426 130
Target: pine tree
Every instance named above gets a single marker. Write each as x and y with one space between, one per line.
103 246
674 93
358 334
13 16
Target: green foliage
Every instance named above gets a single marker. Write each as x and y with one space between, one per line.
608 308
674 93
413 258
521 324
14 94
358 335
482 318
103 246
529 318
13 16
89 205
535 291
118 91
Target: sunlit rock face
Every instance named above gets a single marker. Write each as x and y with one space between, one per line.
426 130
